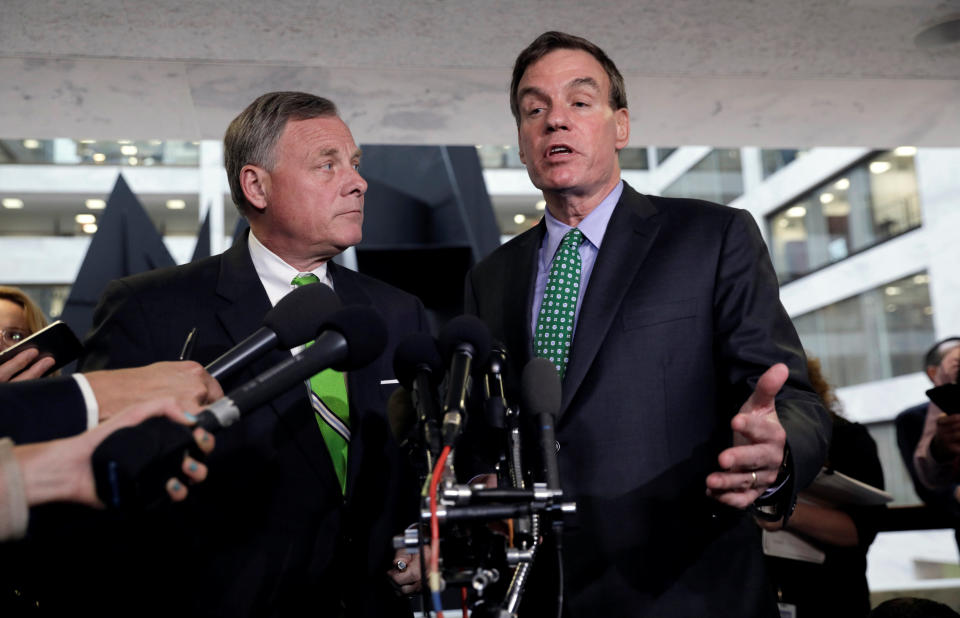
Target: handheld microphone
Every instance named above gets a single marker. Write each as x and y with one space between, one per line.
296 319
465 341
419 369
351 338
540 392
131 466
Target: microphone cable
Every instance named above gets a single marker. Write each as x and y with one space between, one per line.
435 533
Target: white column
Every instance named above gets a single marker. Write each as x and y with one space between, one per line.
211 190
939 189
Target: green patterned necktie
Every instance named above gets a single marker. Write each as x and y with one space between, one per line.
328 396
559 307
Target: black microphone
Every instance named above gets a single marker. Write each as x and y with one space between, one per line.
465 341
352 337
294 320
419 369
131 466
541 392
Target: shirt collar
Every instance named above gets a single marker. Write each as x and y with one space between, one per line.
275 274
593 226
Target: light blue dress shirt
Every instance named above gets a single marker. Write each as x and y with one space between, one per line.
593 227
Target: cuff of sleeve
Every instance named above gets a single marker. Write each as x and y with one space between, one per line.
89 400
13 523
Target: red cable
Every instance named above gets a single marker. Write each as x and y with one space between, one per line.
463 597
434 522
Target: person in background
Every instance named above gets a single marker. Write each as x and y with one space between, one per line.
838 587
20 317
910 427
937 454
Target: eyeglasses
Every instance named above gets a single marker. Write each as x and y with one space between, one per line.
12 336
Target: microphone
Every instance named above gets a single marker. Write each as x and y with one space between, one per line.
540 392
294 320
352 337
419 369
465 341
131 466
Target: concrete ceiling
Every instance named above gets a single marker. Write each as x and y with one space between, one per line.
725 72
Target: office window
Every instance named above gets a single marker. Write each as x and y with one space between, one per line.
879 334
718 177
634 159
866 204
775 160
499 157
664 153
132 153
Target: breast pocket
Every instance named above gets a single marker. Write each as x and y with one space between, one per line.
661 313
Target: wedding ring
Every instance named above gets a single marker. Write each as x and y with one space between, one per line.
402 565
752 485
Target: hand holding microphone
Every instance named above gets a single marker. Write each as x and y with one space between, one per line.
131 466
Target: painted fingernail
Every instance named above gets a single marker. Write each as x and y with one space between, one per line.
175 486
205 438
193 466
190 417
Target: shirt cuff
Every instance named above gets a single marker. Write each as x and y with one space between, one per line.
15 512
89 400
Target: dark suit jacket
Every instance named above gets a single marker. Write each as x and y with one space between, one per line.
680 318
269 532
44 409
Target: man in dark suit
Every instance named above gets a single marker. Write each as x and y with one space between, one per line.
279 529
685 397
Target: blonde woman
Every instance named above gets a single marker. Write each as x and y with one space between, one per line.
20 317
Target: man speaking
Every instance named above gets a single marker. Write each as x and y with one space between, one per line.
304 494
685 397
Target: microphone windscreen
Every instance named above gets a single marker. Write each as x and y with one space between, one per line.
365 332
416 350
540 388
466 329
297 318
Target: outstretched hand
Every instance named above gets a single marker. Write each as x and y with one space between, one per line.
752 464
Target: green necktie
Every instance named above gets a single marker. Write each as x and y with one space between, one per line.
559 306
328 396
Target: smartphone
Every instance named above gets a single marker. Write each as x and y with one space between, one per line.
56 340
947 397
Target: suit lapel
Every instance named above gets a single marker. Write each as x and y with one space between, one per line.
362 384
628 238
239 285
518 295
